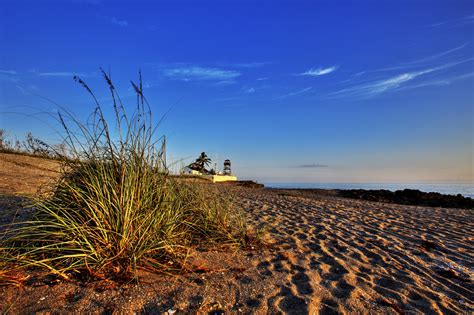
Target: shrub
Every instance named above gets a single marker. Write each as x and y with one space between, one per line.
115 208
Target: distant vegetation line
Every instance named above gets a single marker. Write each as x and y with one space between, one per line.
31 146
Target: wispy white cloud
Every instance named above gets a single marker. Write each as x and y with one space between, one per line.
460 77
468 19
9 75
62 74
29 90
150 84
437 24
116 21
248 90
246 64
56 74
262 79
380 86
8 78
413 66
314 72
400 81
225 83
12 72
296 92
441 81
438 55
22 90
197 73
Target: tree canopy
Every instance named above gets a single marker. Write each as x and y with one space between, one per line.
200 164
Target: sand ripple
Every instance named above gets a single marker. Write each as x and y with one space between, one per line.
338 255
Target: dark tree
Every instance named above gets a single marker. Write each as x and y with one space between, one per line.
200 164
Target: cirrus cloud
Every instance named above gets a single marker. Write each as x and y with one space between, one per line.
296 92
116 21
402 80
12 72
197 73
315 72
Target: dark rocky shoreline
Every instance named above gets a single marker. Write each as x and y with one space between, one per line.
410 197
404 197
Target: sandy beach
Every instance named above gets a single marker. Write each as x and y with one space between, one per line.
340 255
236 157
322 254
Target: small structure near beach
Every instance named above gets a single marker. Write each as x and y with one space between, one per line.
188 171
198 168
221 178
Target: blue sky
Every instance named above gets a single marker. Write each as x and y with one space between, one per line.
300 91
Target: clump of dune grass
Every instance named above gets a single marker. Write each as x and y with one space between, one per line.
114 208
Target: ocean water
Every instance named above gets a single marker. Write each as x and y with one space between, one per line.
465 189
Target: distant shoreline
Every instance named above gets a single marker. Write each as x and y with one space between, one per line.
403 197
465 189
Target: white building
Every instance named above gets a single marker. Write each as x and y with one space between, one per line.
214 178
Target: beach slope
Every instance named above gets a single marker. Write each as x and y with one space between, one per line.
322 254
